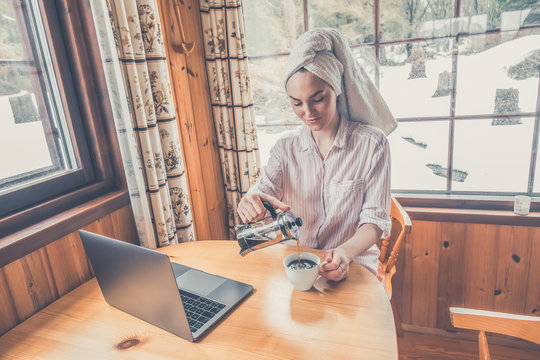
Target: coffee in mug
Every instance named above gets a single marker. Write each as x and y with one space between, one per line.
302 274
302 264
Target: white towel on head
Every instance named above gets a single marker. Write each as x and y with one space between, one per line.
325 53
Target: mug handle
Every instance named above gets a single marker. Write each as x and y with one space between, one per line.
270 209
323 263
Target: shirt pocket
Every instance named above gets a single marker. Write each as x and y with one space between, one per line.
345 197
346 186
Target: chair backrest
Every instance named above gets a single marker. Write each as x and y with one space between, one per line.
521 326
390 246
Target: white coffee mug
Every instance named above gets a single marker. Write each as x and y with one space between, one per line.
522 204
303 279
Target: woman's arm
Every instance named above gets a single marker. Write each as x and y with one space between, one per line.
374 219
268 188
341 256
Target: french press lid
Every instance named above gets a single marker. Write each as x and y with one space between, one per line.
287 221
290 224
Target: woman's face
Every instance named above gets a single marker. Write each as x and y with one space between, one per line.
313 100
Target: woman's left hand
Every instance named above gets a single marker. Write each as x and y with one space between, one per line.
338 268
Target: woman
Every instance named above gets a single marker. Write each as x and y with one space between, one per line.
334 173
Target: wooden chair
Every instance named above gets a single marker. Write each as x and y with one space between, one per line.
521 326
390 247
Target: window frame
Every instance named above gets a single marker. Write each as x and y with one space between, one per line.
56 184
435 202
82 83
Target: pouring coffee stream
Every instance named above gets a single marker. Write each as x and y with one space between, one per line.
280 226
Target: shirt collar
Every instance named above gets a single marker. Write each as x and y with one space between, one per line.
341 135
307 141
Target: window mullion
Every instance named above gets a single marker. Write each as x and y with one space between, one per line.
306 14
534 149
376 39
453 87
25 14
452 119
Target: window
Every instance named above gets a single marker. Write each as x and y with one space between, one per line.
58 149
40 160
461 78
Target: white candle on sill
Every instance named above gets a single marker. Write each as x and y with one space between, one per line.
522 204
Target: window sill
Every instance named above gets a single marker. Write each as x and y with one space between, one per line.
499 217
23 242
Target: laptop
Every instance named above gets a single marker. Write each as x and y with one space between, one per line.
144 283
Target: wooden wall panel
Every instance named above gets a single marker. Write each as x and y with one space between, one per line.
490 267
425 264
103 226
8 314
123 225
532 301
195 120
513 261
480 266
450 276
30 286
34 281
68 261
402 281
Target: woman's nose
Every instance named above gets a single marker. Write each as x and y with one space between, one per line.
308 110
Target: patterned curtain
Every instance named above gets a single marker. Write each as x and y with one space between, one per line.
141 60
232 102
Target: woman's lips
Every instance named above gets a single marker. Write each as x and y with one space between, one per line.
311 120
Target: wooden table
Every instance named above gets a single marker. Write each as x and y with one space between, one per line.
347 320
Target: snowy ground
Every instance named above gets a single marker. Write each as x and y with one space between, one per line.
22 146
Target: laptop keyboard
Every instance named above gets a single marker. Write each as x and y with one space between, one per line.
199 309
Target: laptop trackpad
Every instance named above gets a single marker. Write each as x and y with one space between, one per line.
199 282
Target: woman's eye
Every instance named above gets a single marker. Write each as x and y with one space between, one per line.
317 100
297 104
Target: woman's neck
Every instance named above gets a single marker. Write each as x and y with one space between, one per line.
325 137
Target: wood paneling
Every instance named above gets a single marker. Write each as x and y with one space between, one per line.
68 263
8 314
29 283
513 263
403 278
532 302
124 225
425 255
482 266
34 281
450 271
195 120
479 267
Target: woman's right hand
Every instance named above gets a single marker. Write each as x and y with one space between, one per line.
250 207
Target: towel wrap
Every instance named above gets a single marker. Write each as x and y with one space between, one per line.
325 53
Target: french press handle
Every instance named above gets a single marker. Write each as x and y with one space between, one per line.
270 209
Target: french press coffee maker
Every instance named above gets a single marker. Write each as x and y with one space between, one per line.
279 226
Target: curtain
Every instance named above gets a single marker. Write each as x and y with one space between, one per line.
129 33
232 101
